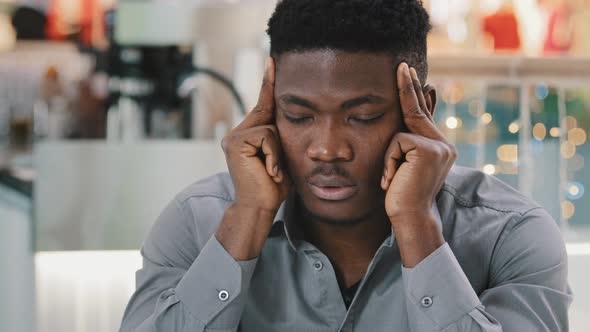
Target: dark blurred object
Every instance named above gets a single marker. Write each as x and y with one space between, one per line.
152 69
21 131
142 87
23 186
89 115
29 24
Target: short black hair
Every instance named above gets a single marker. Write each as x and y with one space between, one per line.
395 27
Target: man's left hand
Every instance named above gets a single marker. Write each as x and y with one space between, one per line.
416 165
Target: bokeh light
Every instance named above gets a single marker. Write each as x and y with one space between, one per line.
577 136
486 118
555 132
489 169
508 153
568 150
514 127
575 190
570 122
568 209
539 131
453 122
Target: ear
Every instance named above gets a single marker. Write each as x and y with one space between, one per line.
429 92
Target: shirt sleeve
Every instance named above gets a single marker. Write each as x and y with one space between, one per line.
528 288
183 288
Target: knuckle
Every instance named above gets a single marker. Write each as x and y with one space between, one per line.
273 129
415 112
262 112
226 142
267 132
229 140
405 136
447 152
453 152
257 109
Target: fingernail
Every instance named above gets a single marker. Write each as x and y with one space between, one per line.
275 170
383 182
385 172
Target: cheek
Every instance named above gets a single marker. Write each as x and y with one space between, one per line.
371 153
293 149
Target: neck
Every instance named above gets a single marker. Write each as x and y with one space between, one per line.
350 247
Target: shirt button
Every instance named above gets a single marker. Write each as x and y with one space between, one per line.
426 301
223 295
318 265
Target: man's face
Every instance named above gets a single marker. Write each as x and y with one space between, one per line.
336 113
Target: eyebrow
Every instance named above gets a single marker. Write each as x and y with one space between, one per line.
368 99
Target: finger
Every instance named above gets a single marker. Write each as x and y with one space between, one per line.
400 146
414 115
391 166
269 149
263 112
419 92
265 139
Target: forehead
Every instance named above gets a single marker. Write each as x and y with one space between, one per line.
329 71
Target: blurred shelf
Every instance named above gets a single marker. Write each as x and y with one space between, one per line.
511 69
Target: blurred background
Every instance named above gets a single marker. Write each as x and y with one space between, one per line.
108 108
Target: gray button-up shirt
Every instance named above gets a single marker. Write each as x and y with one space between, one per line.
503 268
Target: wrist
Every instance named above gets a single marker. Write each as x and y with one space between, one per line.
244 230
417 238
251 209
410 217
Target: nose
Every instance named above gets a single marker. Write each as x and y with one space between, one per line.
329 144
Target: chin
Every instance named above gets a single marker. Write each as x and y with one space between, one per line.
346 212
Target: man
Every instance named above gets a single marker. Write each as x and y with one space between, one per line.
341 210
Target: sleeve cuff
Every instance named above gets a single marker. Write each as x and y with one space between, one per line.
438 288
216 283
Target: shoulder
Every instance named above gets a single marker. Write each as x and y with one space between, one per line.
204 202
218 186
487 220
471 188
188 221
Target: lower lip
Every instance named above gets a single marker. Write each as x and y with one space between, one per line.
333 193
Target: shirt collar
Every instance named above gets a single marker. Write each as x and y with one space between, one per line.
284 216
294 235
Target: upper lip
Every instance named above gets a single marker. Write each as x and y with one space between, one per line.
330 181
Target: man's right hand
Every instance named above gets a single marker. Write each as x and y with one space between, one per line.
253 155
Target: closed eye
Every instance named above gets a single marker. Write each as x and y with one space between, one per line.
297 120
367 121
